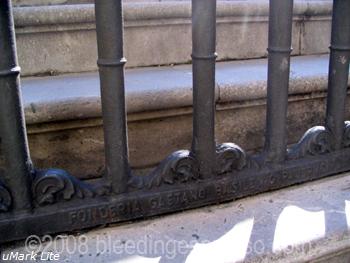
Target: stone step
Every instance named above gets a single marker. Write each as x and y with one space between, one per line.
60 39
63 113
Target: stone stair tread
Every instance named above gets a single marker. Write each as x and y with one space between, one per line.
76 96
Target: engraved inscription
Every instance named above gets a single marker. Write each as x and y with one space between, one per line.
91 215
242 184
223 189
125 209
177 198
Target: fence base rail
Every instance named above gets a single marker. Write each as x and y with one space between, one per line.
86 211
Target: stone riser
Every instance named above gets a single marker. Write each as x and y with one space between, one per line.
150 140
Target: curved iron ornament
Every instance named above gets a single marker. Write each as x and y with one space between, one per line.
229 157
182 167
317 140
179 167
55 185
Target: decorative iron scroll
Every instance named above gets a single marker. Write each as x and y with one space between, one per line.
182 167
54 185
229 157
315 141
179 167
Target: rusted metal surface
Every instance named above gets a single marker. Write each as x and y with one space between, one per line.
36 201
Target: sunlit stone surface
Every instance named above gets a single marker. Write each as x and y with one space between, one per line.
298 226
231 247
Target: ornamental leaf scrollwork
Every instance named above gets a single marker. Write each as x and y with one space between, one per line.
229 157
316 141
55 185
179 167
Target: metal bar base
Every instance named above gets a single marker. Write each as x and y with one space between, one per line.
87 212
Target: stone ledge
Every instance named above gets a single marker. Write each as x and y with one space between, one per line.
71 97
60 39
70 14
305 223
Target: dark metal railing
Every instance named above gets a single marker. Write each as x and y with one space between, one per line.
34 201
111 61
279 49
14 145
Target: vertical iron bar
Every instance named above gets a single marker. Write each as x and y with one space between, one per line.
111 61
203 67
279 49
338 71
13 134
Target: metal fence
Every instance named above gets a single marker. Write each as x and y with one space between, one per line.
34 201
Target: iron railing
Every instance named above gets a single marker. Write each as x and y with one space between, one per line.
34 201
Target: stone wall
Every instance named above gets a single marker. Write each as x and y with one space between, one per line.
55 2
62 39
